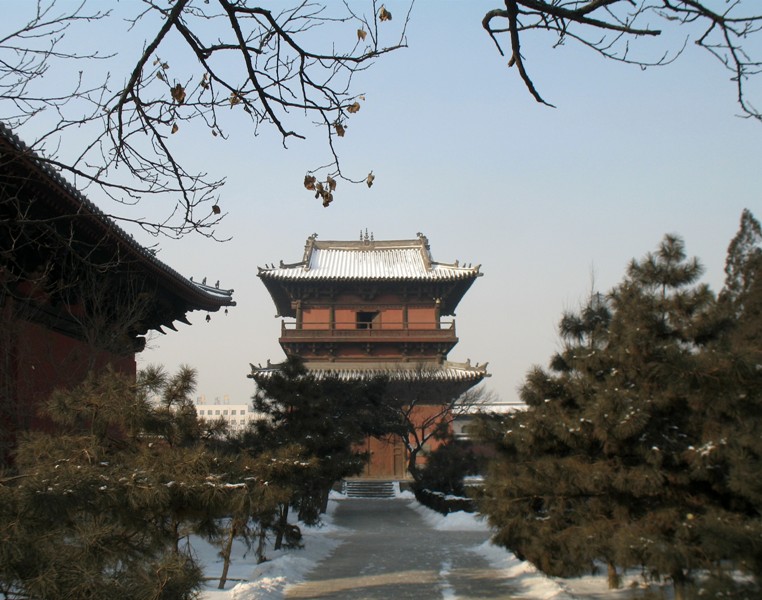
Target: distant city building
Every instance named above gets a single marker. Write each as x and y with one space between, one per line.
237 416
462 425
358 309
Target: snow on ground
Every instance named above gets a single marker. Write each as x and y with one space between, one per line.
457 521
267 581
249 581
532 583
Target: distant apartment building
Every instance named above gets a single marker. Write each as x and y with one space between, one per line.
462 425
237 416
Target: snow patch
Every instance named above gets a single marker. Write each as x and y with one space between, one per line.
267 581
523 574
457 521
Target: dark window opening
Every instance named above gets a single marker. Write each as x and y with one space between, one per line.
365 319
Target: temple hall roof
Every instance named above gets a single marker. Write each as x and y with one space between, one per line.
56 199
368 261
448 371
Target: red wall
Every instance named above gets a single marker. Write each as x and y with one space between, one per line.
422 318
44 360
316 318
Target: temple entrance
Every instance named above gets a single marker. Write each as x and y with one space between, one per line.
399 462
387 458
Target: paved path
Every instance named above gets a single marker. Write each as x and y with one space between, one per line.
389 552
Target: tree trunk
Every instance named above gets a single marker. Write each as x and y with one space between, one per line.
613 576
682 586
261 545
282 525
226 555
412 466
176 531
324 500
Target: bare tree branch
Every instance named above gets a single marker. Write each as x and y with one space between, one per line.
237 60
607 26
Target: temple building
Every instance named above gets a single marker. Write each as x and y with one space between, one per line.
77 293
358 309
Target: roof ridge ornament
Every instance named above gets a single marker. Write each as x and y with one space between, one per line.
308 247
425 251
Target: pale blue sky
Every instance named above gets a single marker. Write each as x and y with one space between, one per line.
545 199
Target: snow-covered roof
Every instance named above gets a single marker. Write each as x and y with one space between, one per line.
368 259
391 263
395 371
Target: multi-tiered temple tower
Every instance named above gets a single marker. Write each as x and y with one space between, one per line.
363 308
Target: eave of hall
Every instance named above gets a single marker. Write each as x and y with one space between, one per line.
369 267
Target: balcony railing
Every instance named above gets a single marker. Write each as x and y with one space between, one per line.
354 331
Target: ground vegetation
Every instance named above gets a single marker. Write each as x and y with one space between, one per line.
104 502
449 465
99 505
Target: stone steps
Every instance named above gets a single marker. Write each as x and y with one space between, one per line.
359 488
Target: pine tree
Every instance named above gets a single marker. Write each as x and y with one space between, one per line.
742 264
99 507
448 465
256 488
326 419
730 455
617 458
741 296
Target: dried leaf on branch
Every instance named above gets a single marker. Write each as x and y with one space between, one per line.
265 59
178 93
609 27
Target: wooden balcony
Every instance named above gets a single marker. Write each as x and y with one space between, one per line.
362 333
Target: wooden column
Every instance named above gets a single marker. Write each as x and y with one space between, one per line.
298 304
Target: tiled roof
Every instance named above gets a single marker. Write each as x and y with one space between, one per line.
369 260
449 371
199 297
